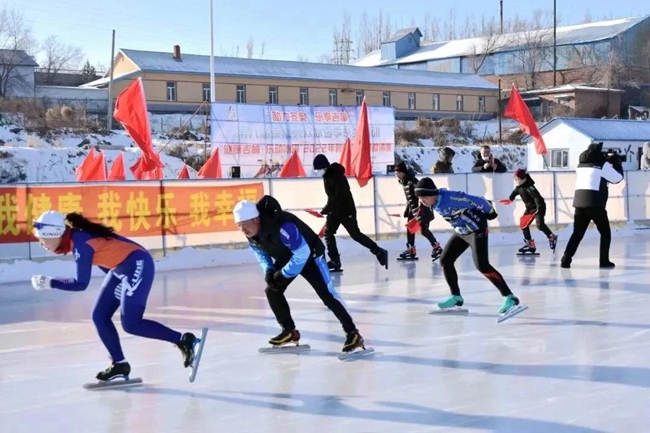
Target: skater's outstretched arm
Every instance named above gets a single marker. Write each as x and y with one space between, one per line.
293 239
515 193
264 259
83 257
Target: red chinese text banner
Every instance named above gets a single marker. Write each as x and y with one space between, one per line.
133 211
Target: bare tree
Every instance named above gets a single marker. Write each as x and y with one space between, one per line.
372 33
485 47
534 42
58 56
342 50
587 18
301 58
262 49
430 29
16 47
250 48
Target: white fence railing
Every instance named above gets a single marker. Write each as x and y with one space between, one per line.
172 214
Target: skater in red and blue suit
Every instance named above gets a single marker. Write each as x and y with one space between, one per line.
468 215
129 272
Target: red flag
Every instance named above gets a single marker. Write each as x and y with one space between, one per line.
346 157
117 170
413 226
140 174
131 112
314 213
184 174
293 167
93 168
361 161
526 220
212 167
518 110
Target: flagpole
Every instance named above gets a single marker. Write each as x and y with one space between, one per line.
212 89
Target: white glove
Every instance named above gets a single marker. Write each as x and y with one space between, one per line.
41 282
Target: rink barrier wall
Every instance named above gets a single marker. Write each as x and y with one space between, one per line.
197 213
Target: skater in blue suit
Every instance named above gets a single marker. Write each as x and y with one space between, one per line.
129 272
469 216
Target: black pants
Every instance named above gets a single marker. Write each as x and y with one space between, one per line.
581 220
541 226
317 275
478 242
352 226
424 231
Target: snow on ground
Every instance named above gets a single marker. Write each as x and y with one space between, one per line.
422 159
192 258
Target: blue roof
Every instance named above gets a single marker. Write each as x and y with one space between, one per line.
605 129
151 61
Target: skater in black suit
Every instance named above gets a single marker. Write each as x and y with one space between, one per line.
535 205
341 211
422 214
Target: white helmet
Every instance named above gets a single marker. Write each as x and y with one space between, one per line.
245 210
50 224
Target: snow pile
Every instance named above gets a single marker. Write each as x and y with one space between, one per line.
422 159
191 258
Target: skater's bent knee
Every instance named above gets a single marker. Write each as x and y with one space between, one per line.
130 324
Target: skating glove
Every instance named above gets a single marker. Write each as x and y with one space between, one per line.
41 282
493 213
280 282
268 278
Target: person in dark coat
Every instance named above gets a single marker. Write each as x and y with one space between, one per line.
285 248
594 172
341 210
407 179
443 165
535 204
486 163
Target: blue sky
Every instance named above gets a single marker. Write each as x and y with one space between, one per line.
288 28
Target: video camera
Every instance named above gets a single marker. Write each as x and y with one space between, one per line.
613 156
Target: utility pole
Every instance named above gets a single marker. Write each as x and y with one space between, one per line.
501 14
554 43
212 85
109 120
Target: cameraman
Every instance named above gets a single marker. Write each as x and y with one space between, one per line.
595 170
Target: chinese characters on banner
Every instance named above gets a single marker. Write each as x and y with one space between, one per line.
133 211
256 136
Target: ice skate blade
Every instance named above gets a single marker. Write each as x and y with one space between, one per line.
336 271
285 349
116 383
450 311
194 367
528 254
511 313
357 353
404 259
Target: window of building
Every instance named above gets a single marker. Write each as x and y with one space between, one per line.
273 94
241 94
436 102
411 101
333 98
481 104
206 91
559 158
359 97
459 103
171 91
386 99
304 96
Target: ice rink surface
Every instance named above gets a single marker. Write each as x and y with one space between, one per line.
577 361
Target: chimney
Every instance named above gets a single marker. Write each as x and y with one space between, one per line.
177 53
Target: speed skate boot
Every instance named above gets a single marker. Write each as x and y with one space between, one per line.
552 241
186 346
436 252
285 337
453 303
334 266
117 370
409 254
528 248
353 341
382 256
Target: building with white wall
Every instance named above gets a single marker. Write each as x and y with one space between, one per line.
17 70
567 137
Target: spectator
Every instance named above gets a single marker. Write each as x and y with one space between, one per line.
486 163
645 156
443 165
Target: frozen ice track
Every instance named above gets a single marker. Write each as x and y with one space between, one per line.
576 361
